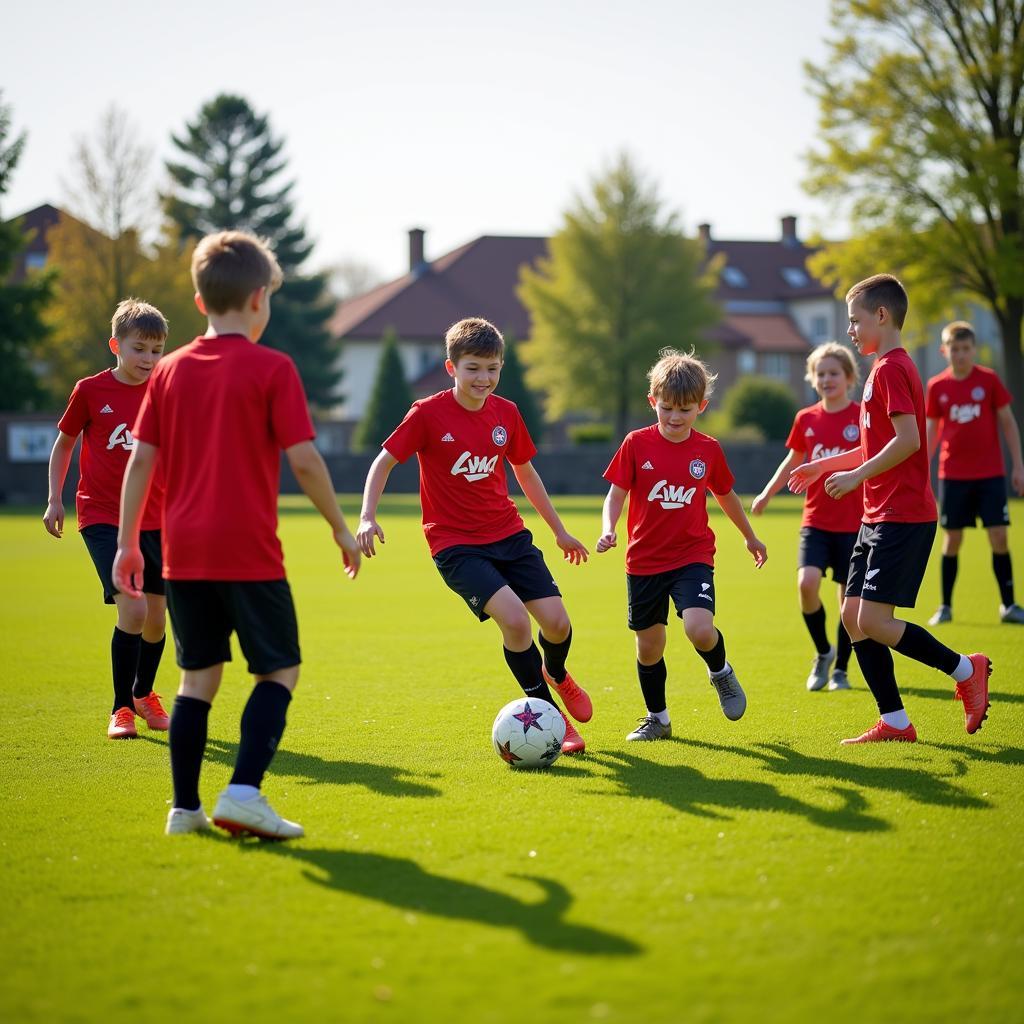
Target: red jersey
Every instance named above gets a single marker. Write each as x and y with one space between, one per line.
969 431
819 434
668 483
103 410
221 410
462 453
902 494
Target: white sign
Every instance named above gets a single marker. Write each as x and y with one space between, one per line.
30 442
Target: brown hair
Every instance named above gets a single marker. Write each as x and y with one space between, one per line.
881 290
958 330
133 316
680 378
832 350
228 266
474 336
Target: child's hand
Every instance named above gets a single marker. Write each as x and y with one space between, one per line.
840 484
53 519
572 549
803 476
758 550
350 553
759 504
129 567
606 541
1017 480
368 529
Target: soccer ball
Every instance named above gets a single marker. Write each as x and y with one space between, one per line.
528 733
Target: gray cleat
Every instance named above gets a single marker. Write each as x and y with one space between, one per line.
1011 613
819 670
730 694
944 614
839 680
651 729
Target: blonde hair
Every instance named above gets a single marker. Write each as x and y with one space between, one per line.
133 316
841 354
228 266
680 378
958 330
882 290
474 336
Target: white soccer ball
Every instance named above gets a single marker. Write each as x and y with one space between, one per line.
528 733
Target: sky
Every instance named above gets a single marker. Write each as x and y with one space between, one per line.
462 118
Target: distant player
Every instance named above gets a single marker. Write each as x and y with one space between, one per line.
102 408
828 529
218 413
896 535
667 470
967 405
462 438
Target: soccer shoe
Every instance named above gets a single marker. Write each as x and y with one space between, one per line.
944 614
122 725
973 691
730 695
839 681
1011 613
253 817
882 733
819 670
150 708
651 729
181 821
572 743
573 696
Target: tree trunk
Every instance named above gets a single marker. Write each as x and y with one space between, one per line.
1010 323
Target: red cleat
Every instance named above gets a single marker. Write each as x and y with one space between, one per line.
973 691
574 697
122 725
573 741
882 733
150 708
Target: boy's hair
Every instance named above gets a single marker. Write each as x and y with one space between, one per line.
837 351
133 316
881 290
958 330
474 336
228 266
680 378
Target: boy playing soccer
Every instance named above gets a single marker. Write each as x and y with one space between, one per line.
966 406
667 470
896 534
102 408
462 438
218 413
828 529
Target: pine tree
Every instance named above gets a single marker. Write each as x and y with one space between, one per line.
389 400
513 386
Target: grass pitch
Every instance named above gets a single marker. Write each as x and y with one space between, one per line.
750 871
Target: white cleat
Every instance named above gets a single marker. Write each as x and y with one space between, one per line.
253 817
181 821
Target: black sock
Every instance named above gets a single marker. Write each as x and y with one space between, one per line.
715 658
124 663
876 665
1002 566
149 662
263 721
843 648
815 622
652 684
555 655
187 742
919 644
525 666
950 564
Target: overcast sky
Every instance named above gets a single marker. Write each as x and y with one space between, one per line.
462 118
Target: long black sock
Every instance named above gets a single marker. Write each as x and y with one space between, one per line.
555 655
919 644
815 622
715 658
263 723
124 663
950 564
187 742
525 666
1002 566
876 665
843 648
149 662
652 684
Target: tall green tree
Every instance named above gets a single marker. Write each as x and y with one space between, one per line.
922 121
389 400
513 386
228 176
621 281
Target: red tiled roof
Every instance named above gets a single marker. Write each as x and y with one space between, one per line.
762 264
773 332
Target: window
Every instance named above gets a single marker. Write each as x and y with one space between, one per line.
746 362
734 277
795 277
775 364
35 260
819 328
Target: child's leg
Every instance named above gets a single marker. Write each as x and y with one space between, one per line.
844 645
809 581
951 541
555 634
651 670
521 654
876 665
151 648
263 723
187 737
699 624
1002 565
125 645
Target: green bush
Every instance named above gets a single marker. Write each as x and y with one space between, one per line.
763 403
590 433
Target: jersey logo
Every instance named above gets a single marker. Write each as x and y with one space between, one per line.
671 496
978 394
943 398
122 436
647 465
850 432
821 452
447 437
869 390
697 469
964 413
809 432
474 467
499 435
106 408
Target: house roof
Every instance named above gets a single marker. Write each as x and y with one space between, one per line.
773 332
762 265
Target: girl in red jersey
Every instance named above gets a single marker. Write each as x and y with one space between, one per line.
828 529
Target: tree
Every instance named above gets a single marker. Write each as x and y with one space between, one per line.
389 400
620 282
763 403
513 387
228 177
922 119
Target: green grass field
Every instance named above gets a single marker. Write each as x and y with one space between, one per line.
750 871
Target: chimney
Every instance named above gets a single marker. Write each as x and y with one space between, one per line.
704 230
416 259
789 231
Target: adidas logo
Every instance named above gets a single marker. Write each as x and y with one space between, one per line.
447 437
106 408
809 432
647 465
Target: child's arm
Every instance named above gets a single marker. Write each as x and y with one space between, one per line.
804 475
733 508
1008 424
901 447
533 487
313 477
933 430
777 482
372 490
60 459
128 563
613 503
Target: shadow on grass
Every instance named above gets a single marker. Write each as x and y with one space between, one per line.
990 753
997 697
402 883
685 789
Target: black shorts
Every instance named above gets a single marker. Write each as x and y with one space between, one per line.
888 562
205 612
826 549
690 586
101 540
476 572
964 501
